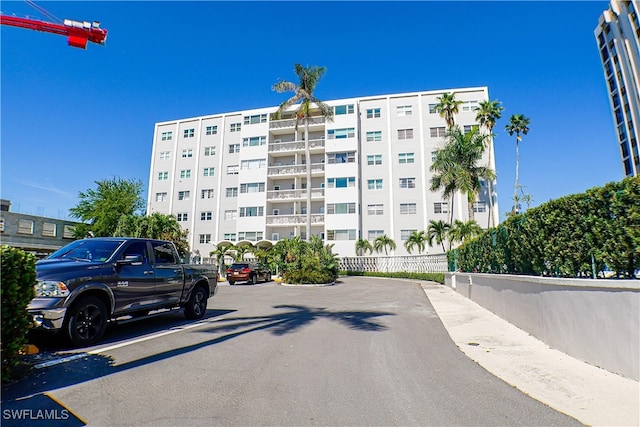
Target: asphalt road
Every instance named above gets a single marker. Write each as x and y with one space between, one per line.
363 352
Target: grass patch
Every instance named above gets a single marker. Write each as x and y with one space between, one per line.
432 277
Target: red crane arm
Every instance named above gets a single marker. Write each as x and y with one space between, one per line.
78 33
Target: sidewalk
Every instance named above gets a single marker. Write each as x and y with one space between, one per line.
589 394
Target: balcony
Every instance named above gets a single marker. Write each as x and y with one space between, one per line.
315 146
293 195
288 124
293 170
288 220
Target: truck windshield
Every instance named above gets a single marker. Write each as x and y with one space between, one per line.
87 250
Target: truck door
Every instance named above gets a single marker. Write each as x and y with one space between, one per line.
168 273
135 283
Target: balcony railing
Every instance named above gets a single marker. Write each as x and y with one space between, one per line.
294 169
316 193
294 219
289 123
295 145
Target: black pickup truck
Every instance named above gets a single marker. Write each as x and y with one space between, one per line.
88 282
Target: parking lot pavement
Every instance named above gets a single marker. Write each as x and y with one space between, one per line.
592 395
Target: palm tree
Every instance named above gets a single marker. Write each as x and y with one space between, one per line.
518 124
447 107
219 253
384 242
308 78
416 238
362 246
461 231
487 114
438 231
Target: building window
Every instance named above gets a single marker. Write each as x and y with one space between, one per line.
233 170
376 209
206 193
441 207
210 151
404 110
374 184
230 237
469 106
373 113
2 225
185 173
437 132
341 182
234 148
252 236
252 187
187 153
432 109
254 141
374 234
408 209
405 133
205 238
184 195
348 157
341 133
375 135
49 229
469 128
165 155
206 216
252 211
208 171
188 133
211 130
404 158
407 183
374 159
253 164
182 216
161 197
252 120
343 109
341 208
231 192
480 207
68 232
341 234
25 226
230 215
404 234
235 127
163 176
167 136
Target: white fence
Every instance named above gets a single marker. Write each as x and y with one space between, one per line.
396 263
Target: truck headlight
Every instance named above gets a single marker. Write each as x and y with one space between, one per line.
50 288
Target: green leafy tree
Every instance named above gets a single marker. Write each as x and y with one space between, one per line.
447 107
518 125
219 253
155 226
462 231
438 232
416 239
363 246
487 115
385 243
308 78
241 250
305 262
101 208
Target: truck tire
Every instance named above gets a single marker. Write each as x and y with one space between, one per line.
197 305
86 321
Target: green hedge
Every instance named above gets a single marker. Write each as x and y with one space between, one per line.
433 277
17 280
574 236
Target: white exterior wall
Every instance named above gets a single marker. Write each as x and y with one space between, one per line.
284 173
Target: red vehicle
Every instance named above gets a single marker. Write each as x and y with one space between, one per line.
251 272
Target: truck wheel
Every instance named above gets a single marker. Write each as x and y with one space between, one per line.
254 279
197 304
86 321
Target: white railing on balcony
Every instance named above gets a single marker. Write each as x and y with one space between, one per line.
295 145
400 263
294 194
294 219
294 169
279 124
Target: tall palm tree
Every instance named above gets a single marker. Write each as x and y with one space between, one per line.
518 124
438 231
308 78
416 239
384 242
362 246
461 231
447 107
487 115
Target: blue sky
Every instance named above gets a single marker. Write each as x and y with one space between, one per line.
71 117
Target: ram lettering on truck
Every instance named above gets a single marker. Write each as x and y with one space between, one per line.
89 282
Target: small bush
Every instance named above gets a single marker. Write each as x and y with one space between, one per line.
17 280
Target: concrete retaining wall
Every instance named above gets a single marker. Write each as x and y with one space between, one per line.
596 321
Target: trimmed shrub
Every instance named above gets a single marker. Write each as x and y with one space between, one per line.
17 281
432 277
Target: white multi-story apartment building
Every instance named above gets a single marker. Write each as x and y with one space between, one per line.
241 176
618 38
